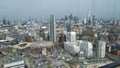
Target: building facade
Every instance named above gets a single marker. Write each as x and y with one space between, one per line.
71 37
71 47
86 47
101 49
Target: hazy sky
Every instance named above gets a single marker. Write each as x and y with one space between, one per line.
44 8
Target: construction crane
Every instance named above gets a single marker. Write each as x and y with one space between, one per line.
93 7
114 8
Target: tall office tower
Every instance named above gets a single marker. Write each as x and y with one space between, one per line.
71 37
52 29
90 18
101 49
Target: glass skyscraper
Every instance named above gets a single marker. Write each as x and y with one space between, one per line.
52 29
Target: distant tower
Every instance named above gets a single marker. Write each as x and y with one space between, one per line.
70 17
66 17
4 21
52 29
90 19
67 25
101 49
85 21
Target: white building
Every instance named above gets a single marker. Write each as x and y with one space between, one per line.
85 21
86 47
101 49
74 46
89 50
78 47
71 37
71 47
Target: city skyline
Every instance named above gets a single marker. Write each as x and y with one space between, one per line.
59 34
44 8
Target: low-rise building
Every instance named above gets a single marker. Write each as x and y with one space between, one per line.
17 62
71 47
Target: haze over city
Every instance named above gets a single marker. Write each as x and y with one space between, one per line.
43 8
